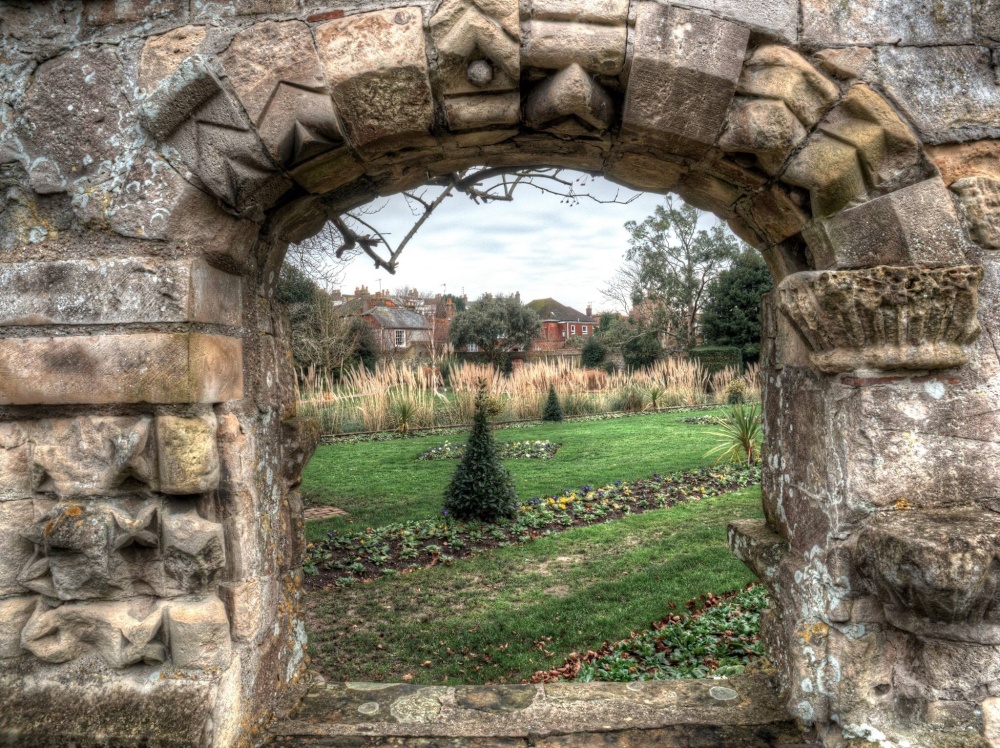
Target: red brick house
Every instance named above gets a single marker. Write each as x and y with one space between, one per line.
560 323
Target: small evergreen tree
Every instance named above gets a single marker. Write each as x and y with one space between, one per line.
553 410
481 487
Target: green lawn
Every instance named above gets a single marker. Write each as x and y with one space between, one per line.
383 482
502 615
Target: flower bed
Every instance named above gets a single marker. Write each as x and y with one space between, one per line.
720 636
347 558
528 449
705 420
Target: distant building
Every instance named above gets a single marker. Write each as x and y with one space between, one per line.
400 330
410 325
560 323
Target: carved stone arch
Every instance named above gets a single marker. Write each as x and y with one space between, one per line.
150 524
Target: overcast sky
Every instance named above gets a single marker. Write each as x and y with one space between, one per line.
536 245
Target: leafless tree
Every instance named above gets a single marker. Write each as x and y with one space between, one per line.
324 256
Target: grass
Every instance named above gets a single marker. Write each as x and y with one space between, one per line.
501 616
381 483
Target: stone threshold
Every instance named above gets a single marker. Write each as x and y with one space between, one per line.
742 712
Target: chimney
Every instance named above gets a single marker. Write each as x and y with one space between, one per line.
590 311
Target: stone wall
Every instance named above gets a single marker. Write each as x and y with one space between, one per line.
157 156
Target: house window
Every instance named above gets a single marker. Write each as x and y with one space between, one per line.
472 348
572 329
584 329
400 338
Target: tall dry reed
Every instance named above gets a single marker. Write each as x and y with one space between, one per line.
402 395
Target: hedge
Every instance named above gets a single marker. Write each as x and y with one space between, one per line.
716 358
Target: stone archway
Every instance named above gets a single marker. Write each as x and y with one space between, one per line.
158 160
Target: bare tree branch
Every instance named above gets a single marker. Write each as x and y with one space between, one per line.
324 256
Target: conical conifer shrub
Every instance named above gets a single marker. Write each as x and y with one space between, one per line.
553 410
481 487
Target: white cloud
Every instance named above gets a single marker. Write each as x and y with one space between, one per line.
536 245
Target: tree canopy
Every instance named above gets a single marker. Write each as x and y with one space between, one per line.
731 314
496 325
668 267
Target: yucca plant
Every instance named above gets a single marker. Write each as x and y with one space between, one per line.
655 395
739 435
404 412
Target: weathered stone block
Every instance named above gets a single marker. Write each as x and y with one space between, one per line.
74 111
299 439
916 225
980 197
876 22
764 127
119 633
937 563
16 518
80 551
92 455
109 291
149 367
921 80
162 54
14 615
470 112
15 462
775 72
830 170
559 44
608 12
569 103
886 317
772 214
194 550
249 605
683 76
889 152
707 192
183 214
980 158
198 634
778 19
644 172
187 454
376 66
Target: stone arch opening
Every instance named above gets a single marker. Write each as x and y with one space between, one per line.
149 450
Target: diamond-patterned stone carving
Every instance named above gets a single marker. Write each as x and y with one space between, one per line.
279 78
205 128
570 103
861 146
479 63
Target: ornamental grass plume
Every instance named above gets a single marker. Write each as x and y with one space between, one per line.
553 410
481 488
